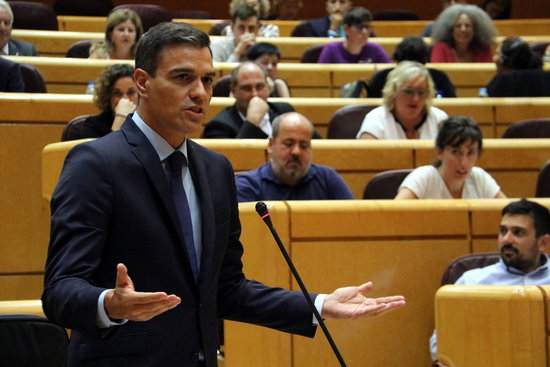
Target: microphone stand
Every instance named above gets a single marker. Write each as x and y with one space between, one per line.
261 208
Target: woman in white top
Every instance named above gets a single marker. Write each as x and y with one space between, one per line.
122 32
407 111
453 175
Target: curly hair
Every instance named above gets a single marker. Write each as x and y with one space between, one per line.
105 47
403 72
484 30
103 86
264 7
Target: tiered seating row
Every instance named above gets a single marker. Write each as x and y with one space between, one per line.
508 27
68 75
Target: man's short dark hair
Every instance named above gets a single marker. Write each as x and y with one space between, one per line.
243 12
152 42
539 213
357 15
412 48
262 48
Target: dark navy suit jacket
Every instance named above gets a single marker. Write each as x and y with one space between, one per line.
21 48
112 204
11 79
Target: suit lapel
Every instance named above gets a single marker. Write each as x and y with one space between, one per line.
148 157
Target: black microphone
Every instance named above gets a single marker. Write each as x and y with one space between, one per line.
261 208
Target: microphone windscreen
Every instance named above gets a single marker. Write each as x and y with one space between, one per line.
261 208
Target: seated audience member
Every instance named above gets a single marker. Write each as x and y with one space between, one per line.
251 116
412 48
262 10
8 45
330 25
10 77
463 33
122 32
355 48
523 237
268 55
497 9
115 94
446 3
290 175
286 9
453 175
245 26
407 111
519 71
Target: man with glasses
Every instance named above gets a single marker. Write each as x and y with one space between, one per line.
356 47
9 46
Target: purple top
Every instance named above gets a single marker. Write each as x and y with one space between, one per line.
335 53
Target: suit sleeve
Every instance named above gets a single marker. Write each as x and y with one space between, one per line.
245 300
15 81
80 206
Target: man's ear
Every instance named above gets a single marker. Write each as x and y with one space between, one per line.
543 242
141 78
270 145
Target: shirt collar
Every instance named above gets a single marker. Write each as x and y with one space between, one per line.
538 271
415 127
160 145
6 49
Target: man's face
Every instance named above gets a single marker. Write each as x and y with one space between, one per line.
251 82
245 26
5 26
519 246
338 6
291 151
174 102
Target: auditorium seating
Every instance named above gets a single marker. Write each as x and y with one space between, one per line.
510 326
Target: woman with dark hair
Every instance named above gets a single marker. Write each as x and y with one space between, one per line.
268 55
497 9
463 33
453 175
122 31
519 71
115 94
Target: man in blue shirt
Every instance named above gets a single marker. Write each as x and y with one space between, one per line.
290 175
524 233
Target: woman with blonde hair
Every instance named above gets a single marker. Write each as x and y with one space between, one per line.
407 111
122 32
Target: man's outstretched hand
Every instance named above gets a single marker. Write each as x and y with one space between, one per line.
350 303
124 302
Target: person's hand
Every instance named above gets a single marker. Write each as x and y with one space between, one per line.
244 42
125 107
256 110
124 302
350 303
336 21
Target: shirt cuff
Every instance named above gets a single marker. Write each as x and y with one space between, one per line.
319 301
103 321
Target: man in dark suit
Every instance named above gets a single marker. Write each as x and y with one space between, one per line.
330 25
10 77
10 46
114 213
251 115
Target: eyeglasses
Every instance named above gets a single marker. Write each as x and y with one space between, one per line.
362 27
411 92
5 22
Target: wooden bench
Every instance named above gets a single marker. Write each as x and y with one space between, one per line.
56 43
510 327
492 114
69 75
507 27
